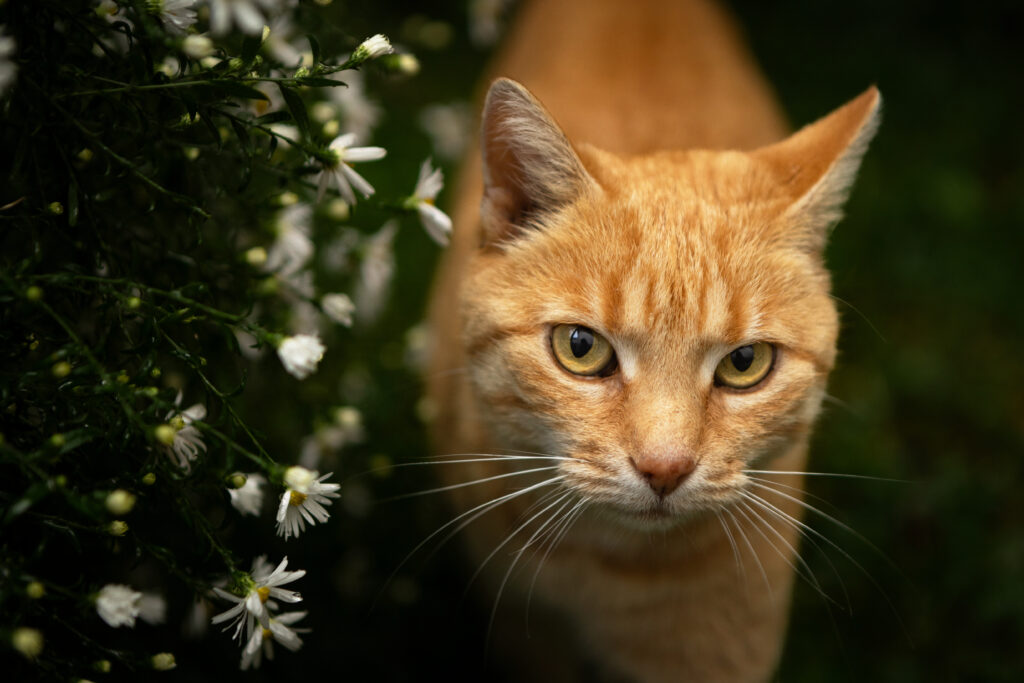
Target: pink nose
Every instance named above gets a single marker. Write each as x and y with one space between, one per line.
666 471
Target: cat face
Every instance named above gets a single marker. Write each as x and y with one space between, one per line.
661 323
675 280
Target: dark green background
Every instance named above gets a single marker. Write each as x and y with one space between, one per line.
927 268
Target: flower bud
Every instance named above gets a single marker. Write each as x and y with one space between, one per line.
117 528
256 256
35 590
34 293
61 370
27 641
164 661
149 478
120 502
197 47
237 480
165 434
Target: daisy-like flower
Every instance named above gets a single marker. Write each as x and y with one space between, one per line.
341 173
303 501
118 605
185 441
339 308
249 498
242 13
371 48
8 69
259 590
435 221
262 640
176 15
300 354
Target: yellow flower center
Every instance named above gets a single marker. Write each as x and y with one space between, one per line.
297 498
263 592
178 422
428 201
267 633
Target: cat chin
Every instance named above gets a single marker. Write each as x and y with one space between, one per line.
654 517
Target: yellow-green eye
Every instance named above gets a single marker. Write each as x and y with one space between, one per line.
746 366
582 351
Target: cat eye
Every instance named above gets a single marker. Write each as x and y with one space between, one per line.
746 366
582 351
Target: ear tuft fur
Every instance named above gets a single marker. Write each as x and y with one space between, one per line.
818 164
529 166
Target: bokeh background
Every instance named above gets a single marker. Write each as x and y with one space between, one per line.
927 269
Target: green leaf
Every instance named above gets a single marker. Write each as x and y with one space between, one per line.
274 117
297 108
319 82
243 136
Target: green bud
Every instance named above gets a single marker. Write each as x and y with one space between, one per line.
149 478
85 155
56 208
35 590
256 256
120 502
103 666
237 480
27 641
57 440
164 661
61 370
34 293
133 302
154 373
117 528
61 481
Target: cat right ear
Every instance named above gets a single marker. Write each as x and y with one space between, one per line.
529 166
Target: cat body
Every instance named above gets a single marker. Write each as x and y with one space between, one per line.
610 226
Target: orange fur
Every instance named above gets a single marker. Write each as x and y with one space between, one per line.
621 219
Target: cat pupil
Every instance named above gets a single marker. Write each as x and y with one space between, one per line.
581 341
742 358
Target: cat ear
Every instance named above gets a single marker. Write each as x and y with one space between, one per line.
817 165
529 166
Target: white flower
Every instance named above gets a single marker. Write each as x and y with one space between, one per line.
303 501
339 308
262 640
242 13
262 584
300 354
8 69
196 46
176 15
343 175
371 48
187 439
375 272
292 247
249 498
435 221
118 605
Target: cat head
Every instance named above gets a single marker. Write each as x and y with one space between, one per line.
662 322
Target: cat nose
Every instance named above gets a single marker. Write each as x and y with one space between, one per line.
666 471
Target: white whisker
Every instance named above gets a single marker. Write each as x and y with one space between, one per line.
837 475
753 553
484 480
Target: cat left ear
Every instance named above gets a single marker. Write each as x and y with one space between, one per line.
816 166
529 166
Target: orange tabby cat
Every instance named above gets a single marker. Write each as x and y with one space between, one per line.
633 332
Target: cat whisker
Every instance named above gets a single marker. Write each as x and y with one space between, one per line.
735 550
475 482
519 553
837 475
562 528
801 568
472 514
753 553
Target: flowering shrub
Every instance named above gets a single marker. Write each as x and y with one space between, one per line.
178 175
